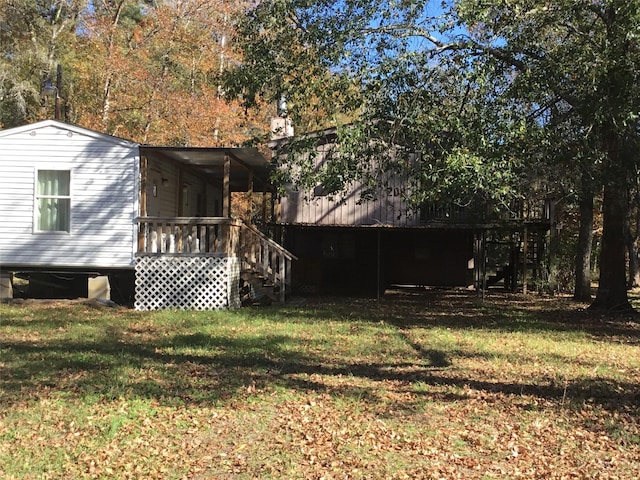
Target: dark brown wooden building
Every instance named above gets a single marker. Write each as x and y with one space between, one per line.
353 246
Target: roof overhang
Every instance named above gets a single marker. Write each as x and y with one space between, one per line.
245 163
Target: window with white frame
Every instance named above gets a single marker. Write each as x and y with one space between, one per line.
53 201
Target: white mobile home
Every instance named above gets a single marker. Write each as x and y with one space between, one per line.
76 202
68 197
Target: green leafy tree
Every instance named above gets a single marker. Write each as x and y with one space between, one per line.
34 36
483 90
585 54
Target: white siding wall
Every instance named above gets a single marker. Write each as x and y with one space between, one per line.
104 172
195 186
213 201
165 204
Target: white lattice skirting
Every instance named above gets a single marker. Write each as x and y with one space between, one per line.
186 282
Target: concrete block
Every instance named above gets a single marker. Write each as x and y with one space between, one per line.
99 288
6 285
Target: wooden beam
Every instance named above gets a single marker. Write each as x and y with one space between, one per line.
226 191
525 254
143 185
378 269
476 262
276 209
480 262
250 194
283 277
250 183
264 205
143 199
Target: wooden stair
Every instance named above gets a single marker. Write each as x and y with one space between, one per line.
496 277
256 290
503 273
265 265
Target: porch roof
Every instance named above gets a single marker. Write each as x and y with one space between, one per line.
210 161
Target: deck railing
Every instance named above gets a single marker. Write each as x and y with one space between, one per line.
217 235
531 210
184 235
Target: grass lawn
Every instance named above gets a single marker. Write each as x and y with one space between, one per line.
431 385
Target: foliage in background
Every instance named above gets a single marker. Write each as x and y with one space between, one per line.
560 265
34 35
144 70
518 88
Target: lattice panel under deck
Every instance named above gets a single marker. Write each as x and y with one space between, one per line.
185 282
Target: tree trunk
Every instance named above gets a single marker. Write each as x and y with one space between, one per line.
634 264
612 287
632 245
582 291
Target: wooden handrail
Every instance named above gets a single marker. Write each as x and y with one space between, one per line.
270 241
267 257
191 220
522 210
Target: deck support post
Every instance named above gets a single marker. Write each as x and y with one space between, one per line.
249 196
226 190
226 202
264 206
142 234
525 254
283 277
378 273
479 262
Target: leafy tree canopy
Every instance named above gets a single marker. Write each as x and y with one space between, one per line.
32 35
486 91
